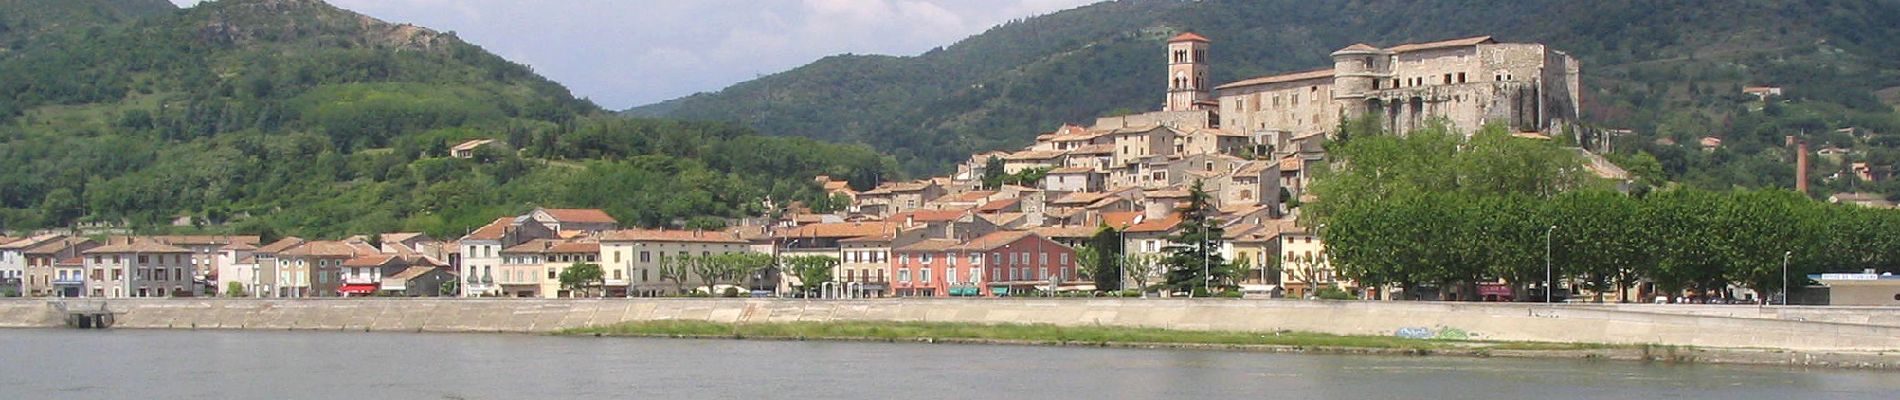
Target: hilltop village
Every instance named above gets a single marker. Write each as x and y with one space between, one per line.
1006 223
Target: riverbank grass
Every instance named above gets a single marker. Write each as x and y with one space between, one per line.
1040 333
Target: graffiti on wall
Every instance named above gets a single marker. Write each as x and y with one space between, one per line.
1440 333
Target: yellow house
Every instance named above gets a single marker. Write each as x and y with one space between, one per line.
533 269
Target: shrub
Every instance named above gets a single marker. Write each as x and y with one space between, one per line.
1334 293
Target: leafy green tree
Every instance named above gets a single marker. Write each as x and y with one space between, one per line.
993 173
812 270
234 289
678 269
1102 255
580 278
1196 248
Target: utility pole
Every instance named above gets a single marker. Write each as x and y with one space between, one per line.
1784 277
1549 286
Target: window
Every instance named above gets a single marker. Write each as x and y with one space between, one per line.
996 258
1065 258
551 274
1368 61
903 259
950 259
1042 258
925 275
923 258
143 260
976 259
903 275
1447 79
1461 77
617 274
950 275
1012 274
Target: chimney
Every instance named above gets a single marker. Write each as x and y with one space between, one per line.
1801 168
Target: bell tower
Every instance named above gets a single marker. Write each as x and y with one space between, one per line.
1187 72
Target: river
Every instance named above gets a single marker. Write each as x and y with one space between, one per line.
178 364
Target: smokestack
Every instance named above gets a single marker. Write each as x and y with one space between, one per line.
1801 168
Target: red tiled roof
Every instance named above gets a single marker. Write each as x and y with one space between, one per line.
330 248
1359 47
839 230
1470 41
57 246
929 245
280 245
1157 225
493 231
582 215
1189 37
370 261
669 235
994 240
138 246
1120 220
998 205
1065 231
1288 77
928 215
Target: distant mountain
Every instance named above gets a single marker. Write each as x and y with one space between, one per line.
320 121
1645 63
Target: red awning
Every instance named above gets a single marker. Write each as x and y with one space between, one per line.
357 289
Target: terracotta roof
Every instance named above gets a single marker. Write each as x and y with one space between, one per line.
1157 225
930 245
894 187
1103 148
927 216
1470 41
138 246
1036 155
493 231
280 245
1288 77
330 248
1079 198
399 236
1188 37
1002 219
71 261
370 260
1120 220
582 215
1290 164
839 230
998 205
1254 168
239 246
549 246
1065 231
975 195
1358 47
186 240
21 244
411 273
1071 170
1105 202
1168 194
994 240
672 235
247 260
56 246
5 240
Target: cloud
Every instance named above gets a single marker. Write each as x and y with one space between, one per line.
623 53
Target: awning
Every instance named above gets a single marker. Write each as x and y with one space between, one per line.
357 289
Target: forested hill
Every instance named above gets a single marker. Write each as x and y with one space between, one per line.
1661 67
297 117
21 20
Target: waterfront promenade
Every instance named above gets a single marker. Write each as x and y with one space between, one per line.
1811 329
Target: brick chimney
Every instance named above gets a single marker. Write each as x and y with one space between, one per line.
1801 167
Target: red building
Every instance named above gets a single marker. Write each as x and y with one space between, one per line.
997 264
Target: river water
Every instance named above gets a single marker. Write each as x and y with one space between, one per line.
177 364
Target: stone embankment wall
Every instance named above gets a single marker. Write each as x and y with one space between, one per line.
1476 321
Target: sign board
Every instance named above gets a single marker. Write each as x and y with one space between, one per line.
1849 277
1494 289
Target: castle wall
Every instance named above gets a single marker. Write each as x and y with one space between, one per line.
1294 107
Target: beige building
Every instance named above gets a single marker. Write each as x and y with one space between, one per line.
315 269
533 269
639 254
42 264
138 267
1470 82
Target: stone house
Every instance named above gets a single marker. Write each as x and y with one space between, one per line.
641 252
138 267
480 252
42 264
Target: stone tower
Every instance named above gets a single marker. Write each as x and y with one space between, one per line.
1357 70
1187 72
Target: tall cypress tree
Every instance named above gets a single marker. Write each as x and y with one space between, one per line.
1195 252
1107 270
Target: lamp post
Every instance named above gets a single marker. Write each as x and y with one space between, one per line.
1549 285
1784 277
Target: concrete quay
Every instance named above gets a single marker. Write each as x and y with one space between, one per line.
1812 329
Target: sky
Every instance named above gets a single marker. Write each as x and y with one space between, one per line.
625 53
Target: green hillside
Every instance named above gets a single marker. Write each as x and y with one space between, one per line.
1662 68
24 20
296 117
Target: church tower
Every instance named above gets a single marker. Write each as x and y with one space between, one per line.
1187 72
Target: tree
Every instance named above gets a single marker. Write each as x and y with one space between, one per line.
234 289
993 173
1141 268
582 277
1104 257
1196 249
812 270
739 267
709 269
676 269
450 288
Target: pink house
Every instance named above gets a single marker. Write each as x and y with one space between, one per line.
1003 263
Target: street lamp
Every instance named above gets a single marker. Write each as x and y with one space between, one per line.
1784 276
1548 284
